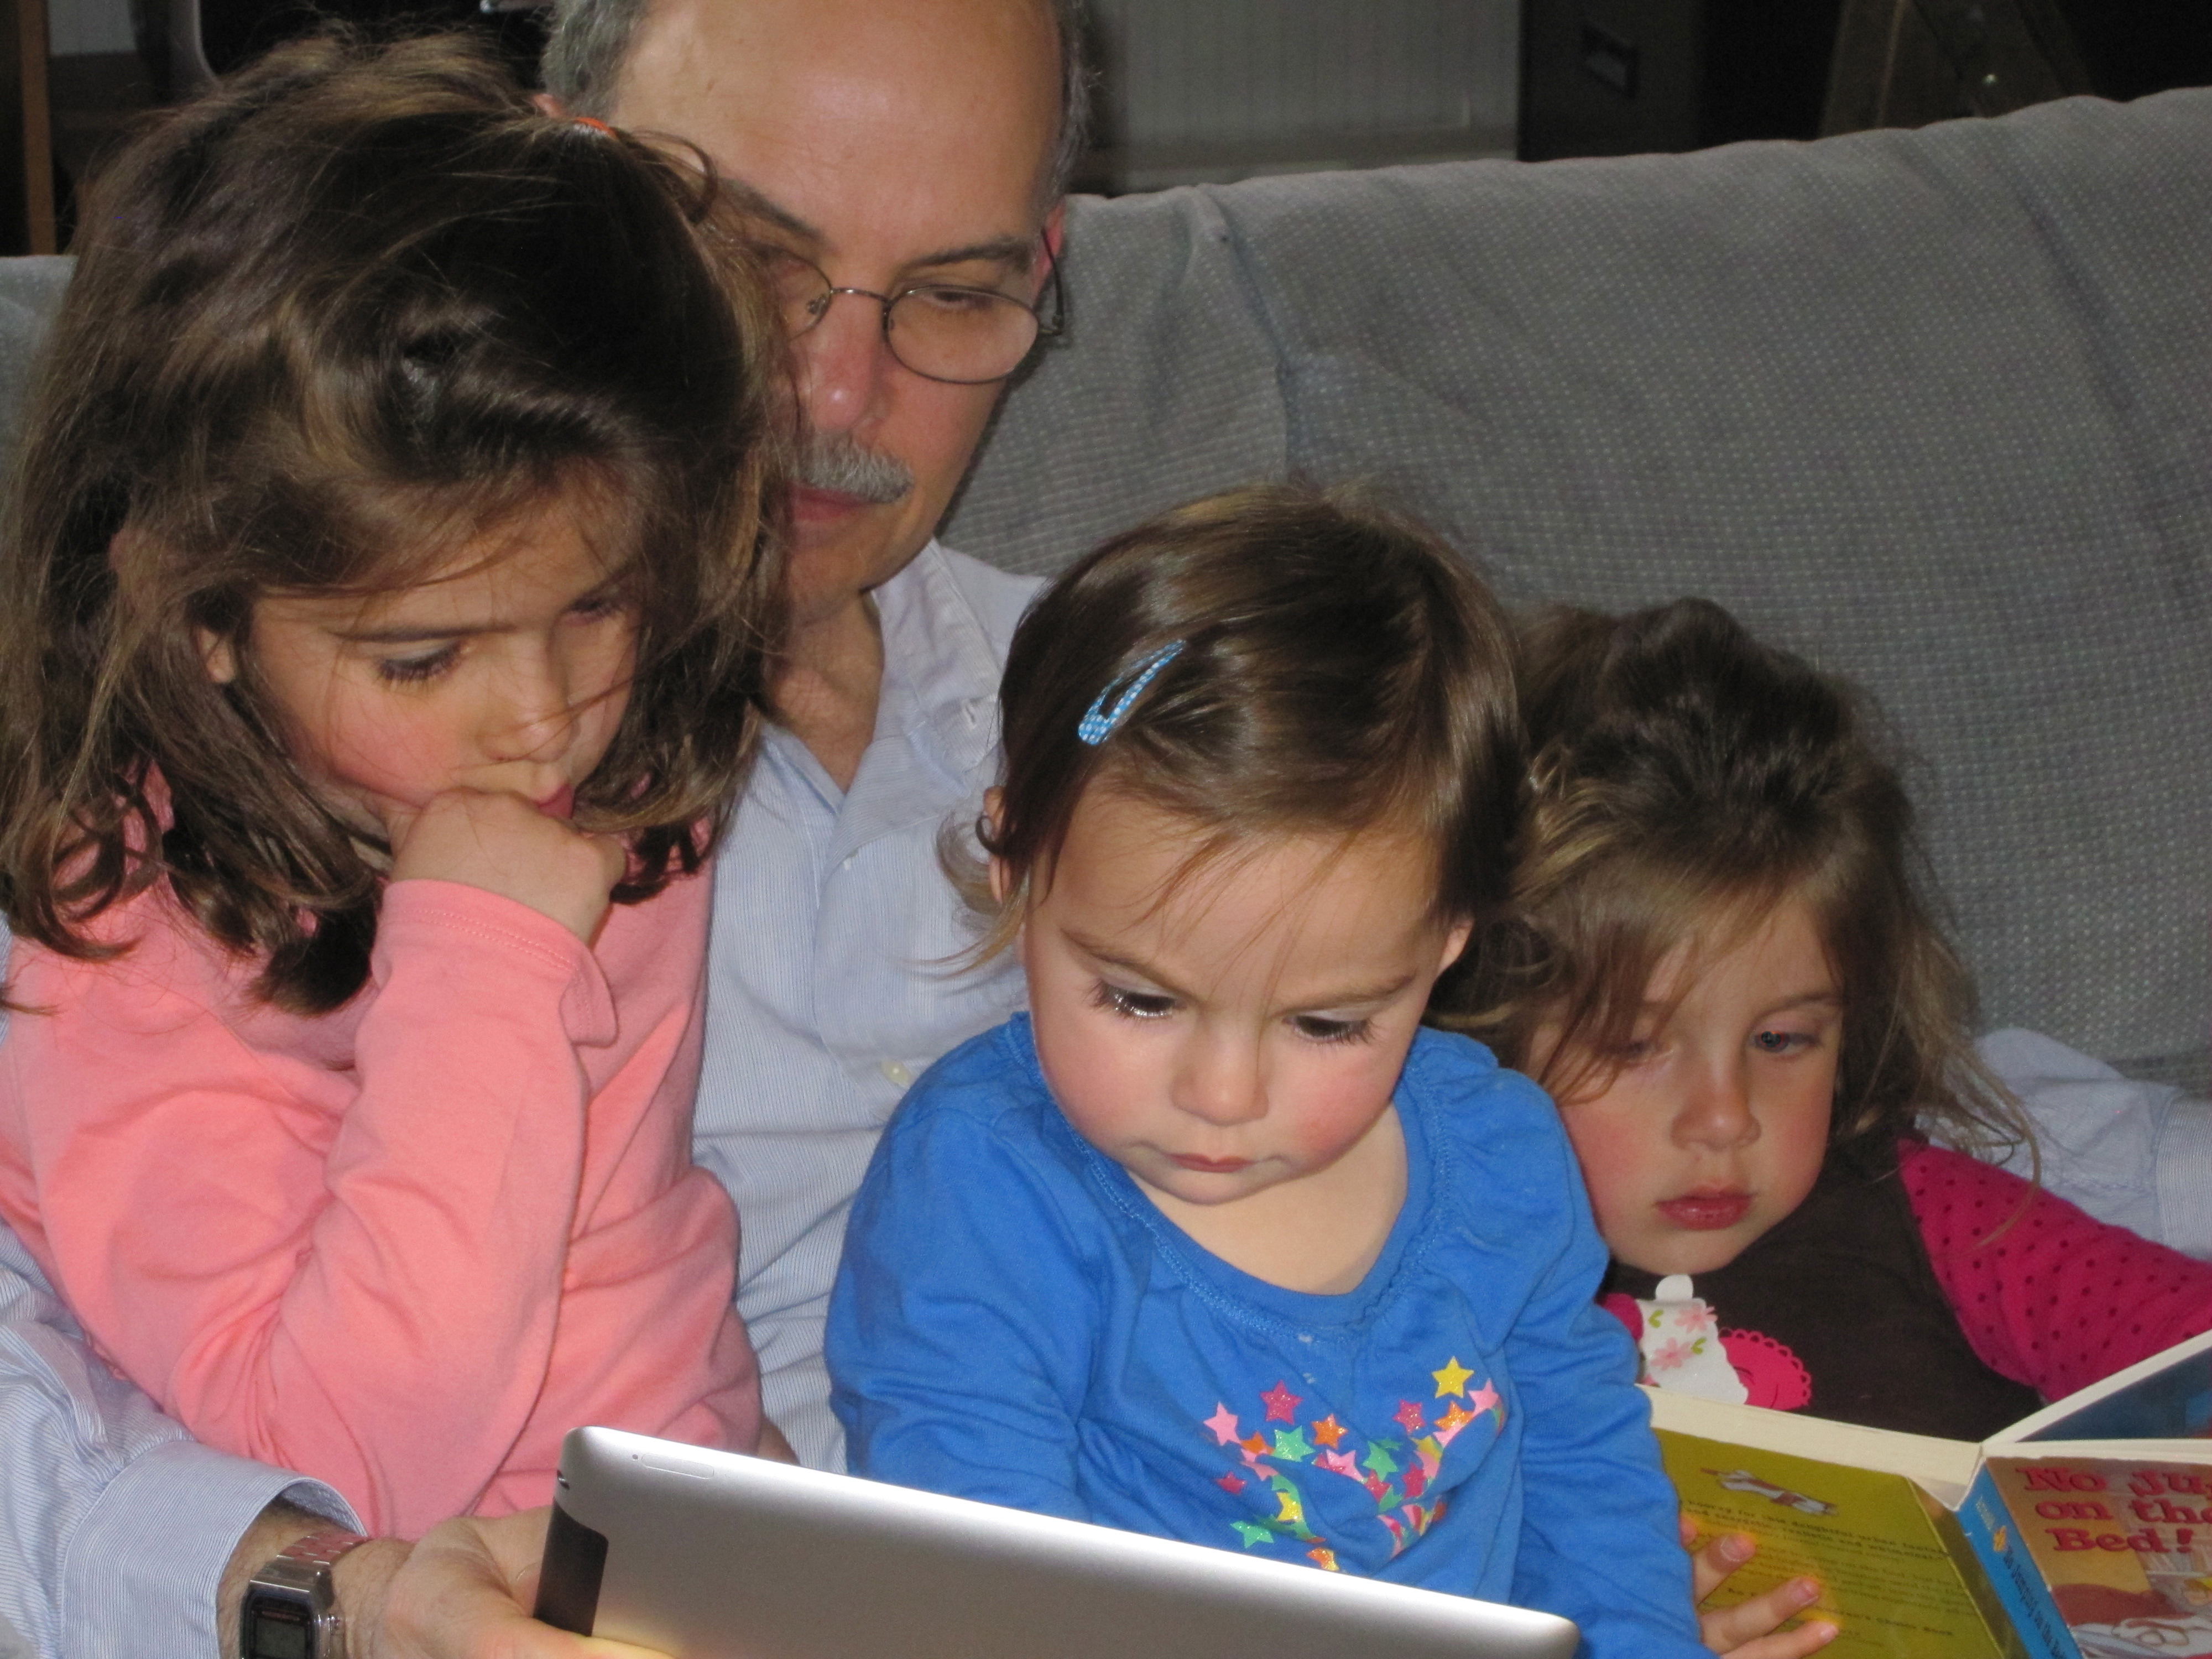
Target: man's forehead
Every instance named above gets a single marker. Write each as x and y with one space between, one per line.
925 126
780 224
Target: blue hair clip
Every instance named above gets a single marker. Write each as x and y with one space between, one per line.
1099 723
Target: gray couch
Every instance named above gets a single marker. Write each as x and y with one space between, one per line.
1934 408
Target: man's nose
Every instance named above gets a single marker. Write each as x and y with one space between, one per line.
842 364
1715 1109
1219 1081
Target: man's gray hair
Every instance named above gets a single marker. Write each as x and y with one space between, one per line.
591 42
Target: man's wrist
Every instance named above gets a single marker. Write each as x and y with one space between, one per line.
359 1578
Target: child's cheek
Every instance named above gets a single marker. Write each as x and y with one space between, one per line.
1616 1170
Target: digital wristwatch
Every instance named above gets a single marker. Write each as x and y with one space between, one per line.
291 1607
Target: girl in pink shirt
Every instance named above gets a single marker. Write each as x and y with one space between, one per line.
385 633
1724 969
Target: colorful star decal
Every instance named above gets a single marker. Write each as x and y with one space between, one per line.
1452 1379
1404 1478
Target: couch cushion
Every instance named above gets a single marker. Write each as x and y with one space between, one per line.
30 289
1934 408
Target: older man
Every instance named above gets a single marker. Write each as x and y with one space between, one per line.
886 151
883 149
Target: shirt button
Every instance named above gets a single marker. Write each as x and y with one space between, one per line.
898 1074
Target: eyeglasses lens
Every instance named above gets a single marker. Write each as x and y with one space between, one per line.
964 335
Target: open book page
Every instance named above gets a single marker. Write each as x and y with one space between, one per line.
1885 1552
1945 1468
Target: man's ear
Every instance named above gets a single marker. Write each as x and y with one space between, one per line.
1055 238
218 652
547 104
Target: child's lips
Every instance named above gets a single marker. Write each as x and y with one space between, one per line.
560 804
1706 1212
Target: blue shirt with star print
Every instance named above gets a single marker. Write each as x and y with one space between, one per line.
1015 1321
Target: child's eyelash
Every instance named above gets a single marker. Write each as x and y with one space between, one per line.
407 670
1131 1005
1317 1030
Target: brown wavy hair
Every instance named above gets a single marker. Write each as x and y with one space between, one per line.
1340 670
1686 779
358 306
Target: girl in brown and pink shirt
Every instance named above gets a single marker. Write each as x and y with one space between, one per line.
1720 964
1718 960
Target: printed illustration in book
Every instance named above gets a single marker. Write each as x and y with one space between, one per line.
2082 1532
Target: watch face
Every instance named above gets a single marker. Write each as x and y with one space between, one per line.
278 1630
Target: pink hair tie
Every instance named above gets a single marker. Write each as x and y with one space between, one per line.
595 125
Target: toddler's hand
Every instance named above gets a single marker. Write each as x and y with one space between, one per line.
503 844
1748 1630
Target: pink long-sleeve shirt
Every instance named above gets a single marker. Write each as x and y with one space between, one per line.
406 1246
2046 1295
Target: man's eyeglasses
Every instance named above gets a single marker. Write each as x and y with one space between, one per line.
940 330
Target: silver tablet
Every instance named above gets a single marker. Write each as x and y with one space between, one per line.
711 1555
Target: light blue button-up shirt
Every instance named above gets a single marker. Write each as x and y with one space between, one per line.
833 982
830 991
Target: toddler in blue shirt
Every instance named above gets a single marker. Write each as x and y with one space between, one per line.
1216 1243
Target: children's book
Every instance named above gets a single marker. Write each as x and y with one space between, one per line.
2082 1532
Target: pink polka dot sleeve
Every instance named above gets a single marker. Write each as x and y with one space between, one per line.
2055 1299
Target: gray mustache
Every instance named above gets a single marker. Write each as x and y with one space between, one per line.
837 463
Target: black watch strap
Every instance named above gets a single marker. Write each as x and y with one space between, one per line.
290 1610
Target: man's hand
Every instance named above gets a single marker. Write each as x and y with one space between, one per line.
1747 1631
505 844
463 1592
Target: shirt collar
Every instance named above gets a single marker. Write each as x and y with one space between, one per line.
940 687
937 714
